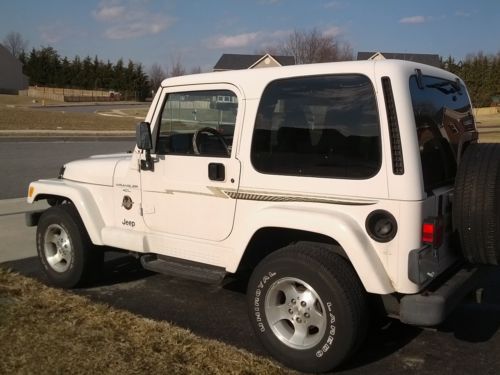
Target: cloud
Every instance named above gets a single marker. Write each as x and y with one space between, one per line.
234 41
50 34
260 39
54 33
129 19
333 5
333 31
268 2
256 39
461 13
109 12
414 20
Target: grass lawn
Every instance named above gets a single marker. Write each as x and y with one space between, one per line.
50 331
16 114
33 119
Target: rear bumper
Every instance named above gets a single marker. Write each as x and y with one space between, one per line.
432 306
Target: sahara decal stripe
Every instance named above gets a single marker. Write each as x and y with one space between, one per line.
263 197
254 196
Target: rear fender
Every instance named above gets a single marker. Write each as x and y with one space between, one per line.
341 228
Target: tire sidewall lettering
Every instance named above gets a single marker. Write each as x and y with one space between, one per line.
326 345
258 314
327 341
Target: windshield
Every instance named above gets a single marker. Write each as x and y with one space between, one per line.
442 113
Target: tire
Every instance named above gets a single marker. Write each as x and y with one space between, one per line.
476 207
307 307
68 257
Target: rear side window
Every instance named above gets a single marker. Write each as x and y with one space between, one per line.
321 126
442 113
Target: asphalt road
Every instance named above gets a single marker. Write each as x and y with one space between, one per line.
25 160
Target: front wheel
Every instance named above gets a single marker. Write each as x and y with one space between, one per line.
308 307
68 257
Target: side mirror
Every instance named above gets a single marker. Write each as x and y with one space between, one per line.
143 136
144 142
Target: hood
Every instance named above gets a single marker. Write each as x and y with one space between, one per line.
98 169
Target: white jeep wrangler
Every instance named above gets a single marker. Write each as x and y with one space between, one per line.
326 183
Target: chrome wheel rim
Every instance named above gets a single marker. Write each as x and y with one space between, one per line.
57 248
295 313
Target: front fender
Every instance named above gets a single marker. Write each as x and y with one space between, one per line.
343 229
81 198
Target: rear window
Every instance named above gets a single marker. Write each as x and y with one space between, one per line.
321 126
442 113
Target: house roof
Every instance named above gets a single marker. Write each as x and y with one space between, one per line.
229 61
6 55
423 58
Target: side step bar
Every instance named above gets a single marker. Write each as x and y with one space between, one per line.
183 268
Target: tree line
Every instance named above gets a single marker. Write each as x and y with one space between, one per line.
481 74
45 67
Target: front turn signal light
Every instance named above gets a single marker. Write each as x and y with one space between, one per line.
31 190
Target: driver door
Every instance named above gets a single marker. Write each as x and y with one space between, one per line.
195 167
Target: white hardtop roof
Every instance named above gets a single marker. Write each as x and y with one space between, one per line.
253 81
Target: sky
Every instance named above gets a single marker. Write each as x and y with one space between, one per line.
198 32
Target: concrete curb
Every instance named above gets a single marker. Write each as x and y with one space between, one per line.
17 206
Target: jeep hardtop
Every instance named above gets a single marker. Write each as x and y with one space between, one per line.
325 184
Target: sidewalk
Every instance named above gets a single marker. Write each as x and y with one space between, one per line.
17 241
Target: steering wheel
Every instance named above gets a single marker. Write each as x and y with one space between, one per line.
196 148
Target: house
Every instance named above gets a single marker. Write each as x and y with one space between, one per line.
422 58
235 61
12 78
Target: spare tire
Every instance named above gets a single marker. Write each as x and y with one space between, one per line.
476 203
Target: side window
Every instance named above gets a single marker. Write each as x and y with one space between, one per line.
321 126
197 123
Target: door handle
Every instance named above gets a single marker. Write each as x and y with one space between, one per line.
216 172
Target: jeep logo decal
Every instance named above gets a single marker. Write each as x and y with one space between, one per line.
127 202
129 223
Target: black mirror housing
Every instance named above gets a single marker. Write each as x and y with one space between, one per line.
143 136
145 143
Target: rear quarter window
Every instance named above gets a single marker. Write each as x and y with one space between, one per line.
442 112
320 126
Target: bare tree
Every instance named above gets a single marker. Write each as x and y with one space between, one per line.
313 46
176 67
15 43
156 75
195 70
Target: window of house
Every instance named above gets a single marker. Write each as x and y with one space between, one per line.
198 123
321 126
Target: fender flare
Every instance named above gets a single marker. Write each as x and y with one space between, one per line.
338 226
80 196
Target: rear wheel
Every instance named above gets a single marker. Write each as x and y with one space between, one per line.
308 307
68 257
476 207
